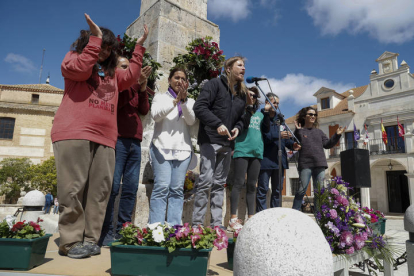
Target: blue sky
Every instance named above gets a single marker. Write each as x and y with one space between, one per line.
299 45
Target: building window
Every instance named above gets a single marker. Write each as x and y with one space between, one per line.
6 128
35 98
325 103
294 185
389 83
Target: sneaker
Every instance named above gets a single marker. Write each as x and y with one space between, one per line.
93 248
235 224
78 251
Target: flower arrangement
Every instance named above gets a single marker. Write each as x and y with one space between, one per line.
372 215
126 48
189 181
203 62
344 225
9 229
172 237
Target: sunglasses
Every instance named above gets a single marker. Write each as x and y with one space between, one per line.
312 114
254 96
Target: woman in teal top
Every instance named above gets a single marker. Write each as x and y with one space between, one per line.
248 152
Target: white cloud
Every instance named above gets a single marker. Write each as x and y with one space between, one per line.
20 63
384 20
236 10
298 89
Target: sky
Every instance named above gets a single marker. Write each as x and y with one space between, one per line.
299 45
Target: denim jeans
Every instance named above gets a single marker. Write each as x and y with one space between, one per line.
263 187
47 207
55 209
169 176
317 174
127 167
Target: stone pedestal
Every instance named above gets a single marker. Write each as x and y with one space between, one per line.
409 226
282 241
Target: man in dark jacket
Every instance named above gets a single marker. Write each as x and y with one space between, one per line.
222 116
270 163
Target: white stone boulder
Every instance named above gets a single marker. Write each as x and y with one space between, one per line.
282 242
34 198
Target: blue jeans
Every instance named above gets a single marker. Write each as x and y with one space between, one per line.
55 209
169 176
263 187
47 207
127 166
317 174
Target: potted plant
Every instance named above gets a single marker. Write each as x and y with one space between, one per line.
22 244
345 227
165 250
231 247
376 219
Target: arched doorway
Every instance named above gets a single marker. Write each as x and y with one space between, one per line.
390 175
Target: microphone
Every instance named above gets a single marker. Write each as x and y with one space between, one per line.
254 79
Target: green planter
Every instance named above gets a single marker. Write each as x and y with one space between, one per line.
379 227
22 254
151 260
230 252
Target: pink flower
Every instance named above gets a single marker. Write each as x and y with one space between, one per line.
140 238
374 218
358 219
333 213
220 232
194 238
197 230
220 52
236 233
350 250
221 242
359 242
215 45
342 200
334 191
183 232
35 226
346 238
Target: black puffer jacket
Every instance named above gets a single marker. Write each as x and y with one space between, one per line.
216 106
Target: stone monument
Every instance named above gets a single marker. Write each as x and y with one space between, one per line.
409 226
172 25
33 203
282 241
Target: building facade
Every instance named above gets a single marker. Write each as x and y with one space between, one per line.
387 98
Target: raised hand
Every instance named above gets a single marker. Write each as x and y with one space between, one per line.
95 30
222 130
297 125
145 73
340 130
142 39
267 107
235 132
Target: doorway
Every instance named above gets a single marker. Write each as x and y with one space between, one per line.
398 194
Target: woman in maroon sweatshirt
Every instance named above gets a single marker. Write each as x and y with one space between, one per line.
84 135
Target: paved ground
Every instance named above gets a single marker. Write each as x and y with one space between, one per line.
100 265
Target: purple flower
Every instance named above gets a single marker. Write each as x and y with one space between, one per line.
350 250
333 213
318 216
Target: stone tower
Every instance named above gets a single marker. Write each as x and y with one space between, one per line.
172 24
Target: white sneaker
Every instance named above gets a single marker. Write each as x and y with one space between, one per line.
234 224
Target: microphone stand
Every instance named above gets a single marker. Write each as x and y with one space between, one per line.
280 121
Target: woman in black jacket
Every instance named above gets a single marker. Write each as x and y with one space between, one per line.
220 108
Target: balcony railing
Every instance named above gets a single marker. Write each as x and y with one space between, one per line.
375 146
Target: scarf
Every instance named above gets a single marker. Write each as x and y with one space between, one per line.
180 111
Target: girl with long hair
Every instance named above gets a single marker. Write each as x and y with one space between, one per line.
84 135
220 108
312 160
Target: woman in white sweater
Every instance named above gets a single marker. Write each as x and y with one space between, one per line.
171 147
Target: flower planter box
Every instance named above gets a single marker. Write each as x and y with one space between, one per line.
230 252
22 254
151 260
379 226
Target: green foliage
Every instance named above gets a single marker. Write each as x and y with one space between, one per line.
44 176
126 48
15 176
203 62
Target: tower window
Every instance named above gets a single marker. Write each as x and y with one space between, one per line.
389 83
35 98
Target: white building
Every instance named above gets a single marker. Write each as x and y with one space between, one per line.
389 94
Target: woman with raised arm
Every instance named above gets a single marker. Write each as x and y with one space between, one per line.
171 148
84 135
312 160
